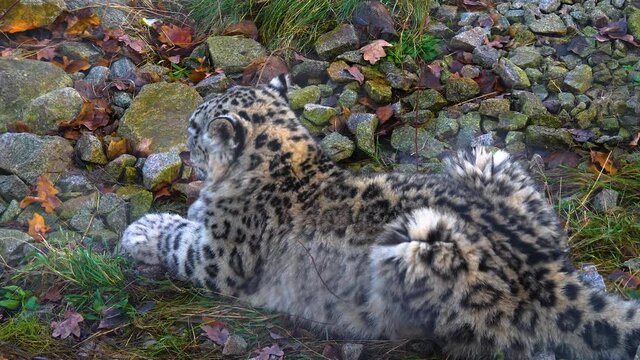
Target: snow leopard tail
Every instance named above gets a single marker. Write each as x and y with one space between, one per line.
492 275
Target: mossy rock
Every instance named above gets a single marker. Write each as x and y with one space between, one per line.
234 53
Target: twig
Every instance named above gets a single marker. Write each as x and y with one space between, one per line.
493 93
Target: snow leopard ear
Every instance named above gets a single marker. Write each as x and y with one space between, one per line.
281 84
225 139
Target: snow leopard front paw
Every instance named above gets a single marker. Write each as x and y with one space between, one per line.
142 239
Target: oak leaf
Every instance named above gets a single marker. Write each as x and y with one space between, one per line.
374 51
37 228
46 195
70 325
602 162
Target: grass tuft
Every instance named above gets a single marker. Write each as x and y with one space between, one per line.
26 332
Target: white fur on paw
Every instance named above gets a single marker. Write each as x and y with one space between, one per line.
142 238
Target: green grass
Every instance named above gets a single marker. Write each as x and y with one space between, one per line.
26 332
414 45
604 238
292 24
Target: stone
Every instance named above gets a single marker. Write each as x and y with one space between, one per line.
27 214
342 38
512 120
89 149
338 73
155 72
161 169
235 345
234 53
580 79
85 203
122 99
470 71
525 57
160 113
113 16
530 104
404 140
485 56
218 83
549 24
75 184
113 208
608 123
401 79
13 245
585 118
318 114
29 156
75 50
365 134
353 57
494 107
378 90
300 97
139 199
85 221
548 138
512 76
426 99
12 188
348 98
121 68
337 146
461 89
309 69
417 117
605 201
567 100
589 275
633 22
546 119
97 75
549 6
468 40
45 113
11 212
21 15
115 168
21 81
443 127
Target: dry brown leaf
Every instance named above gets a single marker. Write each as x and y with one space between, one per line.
264 69
37 228
164 191
635 140
355 72
384 113
77 27
602 162
374 51
46 195
70 325
246 28
116 148
175 35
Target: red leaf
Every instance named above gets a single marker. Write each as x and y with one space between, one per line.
264 69
487 81
355 72
68 326
136 45
216 332
175 35
52 294
563 158
625 278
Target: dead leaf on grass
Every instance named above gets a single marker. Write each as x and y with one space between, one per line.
52 294
246 28
270 353
70 325
216 332
602 162
175 35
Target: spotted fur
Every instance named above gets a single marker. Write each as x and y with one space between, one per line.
473 259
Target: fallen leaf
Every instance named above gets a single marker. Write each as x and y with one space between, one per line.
52 294
175 35
430 77
163 192
487 81
6 52
135 44
68 326
37 228
331 352
246 28
116 148
77 26
19 127
175 59
366 101
626 279
46 195
264 69
374 51
112 318
355 72
266 353
384 113
216 332
634 142
602 162
47 53
562 158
